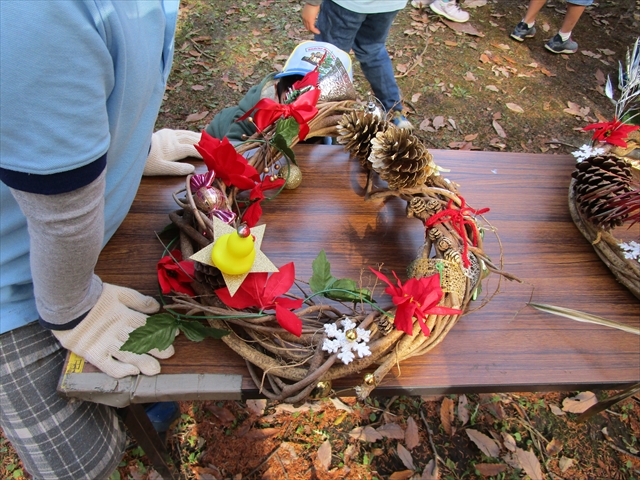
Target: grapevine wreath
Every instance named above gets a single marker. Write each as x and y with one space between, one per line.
294 347
604 194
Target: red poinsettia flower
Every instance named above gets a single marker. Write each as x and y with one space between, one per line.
265 293
175 274
613 132
416 298
254 212
222 158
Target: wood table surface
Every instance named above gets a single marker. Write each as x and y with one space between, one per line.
504 346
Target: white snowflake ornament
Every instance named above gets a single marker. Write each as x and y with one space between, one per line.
346 341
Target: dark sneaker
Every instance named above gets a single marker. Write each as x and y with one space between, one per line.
556 45
523 31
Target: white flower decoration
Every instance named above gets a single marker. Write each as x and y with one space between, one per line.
631 250
587 152
346 341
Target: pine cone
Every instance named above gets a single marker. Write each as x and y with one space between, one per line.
401 159
597 181
356 130
208 276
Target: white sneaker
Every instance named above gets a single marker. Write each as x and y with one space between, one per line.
449 10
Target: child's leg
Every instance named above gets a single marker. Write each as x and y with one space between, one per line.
338 25
371 52
574 12
532 11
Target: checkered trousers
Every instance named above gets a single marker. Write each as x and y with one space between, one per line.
55 438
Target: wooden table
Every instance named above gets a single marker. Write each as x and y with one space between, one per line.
504 346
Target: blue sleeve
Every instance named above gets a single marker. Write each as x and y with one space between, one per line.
56 75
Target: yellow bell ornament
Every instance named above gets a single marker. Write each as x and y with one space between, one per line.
234 253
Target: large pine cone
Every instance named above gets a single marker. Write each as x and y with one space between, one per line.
401 159
597 181
356 130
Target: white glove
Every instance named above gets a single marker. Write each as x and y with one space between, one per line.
167 146
102 332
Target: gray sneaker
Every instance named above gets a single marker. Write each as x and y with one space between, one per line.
522 31
556 45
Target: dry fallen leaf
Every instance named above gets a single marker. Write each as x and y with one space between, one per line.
405 456
256 407
469 77
547 72
555 409
341 406
438 122
324 455
446 415
486 444
365 434
197 88
223 414
467 138
545 27
499 130
305 407
462 27
449 43
601 79
565 464
484 58
490 469
403 475
530 464
415 97
493 88
580 403
515 107
501 46
554 447
411 434
509 442
463 411
195 117
430 471
391 430
475 3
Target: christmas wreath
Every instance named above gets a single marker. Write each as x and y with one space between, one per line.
295 346
604 194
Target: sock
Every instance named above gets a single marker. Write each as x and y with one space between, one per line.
564 36
529 25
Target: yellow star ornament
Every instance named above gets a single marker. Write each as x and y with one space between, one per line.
260 264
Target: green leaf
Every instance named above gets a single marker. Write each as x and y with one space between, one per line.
321 278
584 317
352 293
196 332
286 130
159 332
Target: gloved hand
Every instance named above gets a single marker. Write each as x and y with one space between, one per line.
167 146
102 332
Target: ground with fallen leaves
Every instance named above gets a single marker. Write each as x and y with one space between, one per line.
465 86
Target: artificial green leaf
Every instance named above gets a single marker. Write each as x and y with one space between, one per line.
196 332
286 131
159 332
584 317
321 278
347 290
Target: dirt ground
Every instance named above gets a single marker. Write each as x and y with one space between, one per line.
464 86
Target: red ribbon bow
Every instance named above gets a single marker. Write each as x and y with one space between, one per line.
302 109
458 222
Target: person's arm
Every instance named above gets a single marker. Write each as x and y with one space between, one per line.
310 14
89 318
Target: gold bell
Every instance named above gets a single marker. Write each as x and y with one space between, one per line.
351 334
370 379
321 390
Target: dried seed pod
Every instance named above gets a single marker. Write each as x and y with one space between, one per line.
384 325
453 255
434 234
433 206
444 244
417 207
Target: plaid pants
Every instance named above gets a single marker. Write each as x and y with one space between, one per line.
55 438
